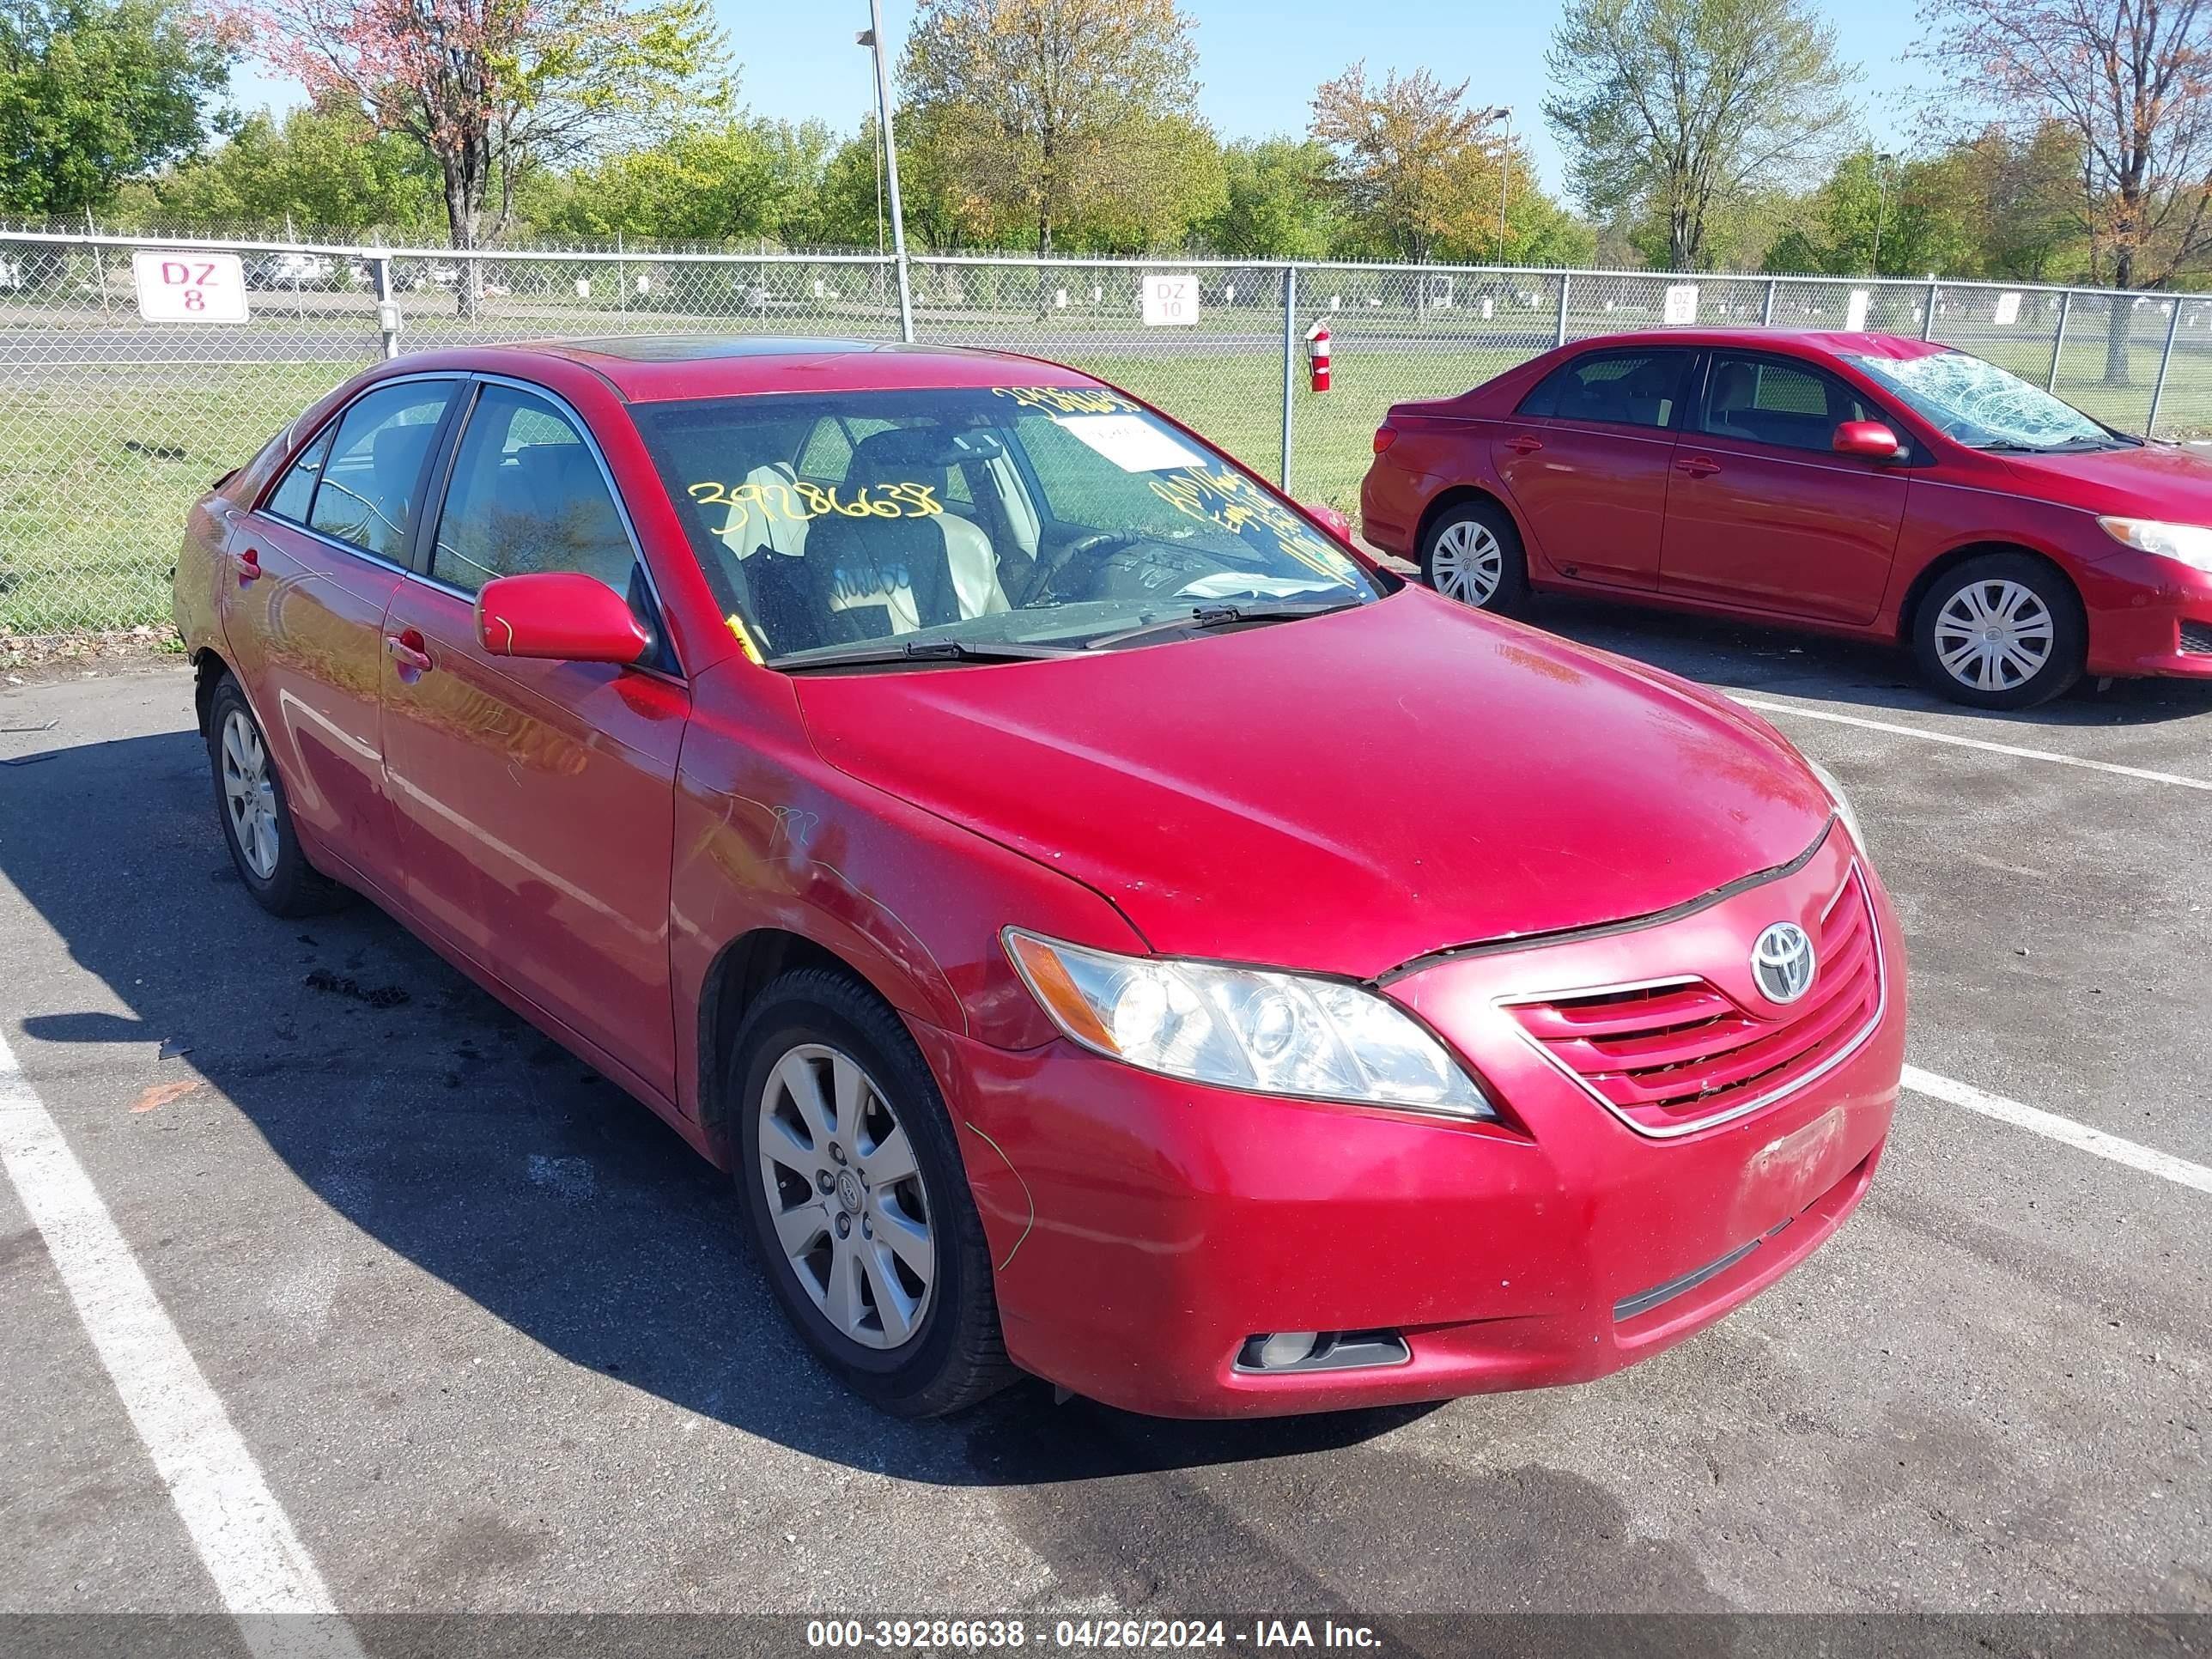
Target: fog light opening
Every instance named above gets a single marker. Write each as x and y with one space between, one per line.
1274 1352
1285 1348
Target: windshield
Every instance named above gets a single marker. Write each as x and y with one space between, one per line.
992 518
1986 407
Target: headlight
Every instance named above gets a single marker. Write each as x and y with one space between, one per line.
1843 801
2188 543
1244 1028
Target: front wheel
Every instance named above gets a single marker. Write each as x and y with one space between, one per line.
855 1199
2001 631
1472 553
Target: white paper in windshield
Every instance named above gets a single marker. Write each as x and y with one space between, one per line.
1132 444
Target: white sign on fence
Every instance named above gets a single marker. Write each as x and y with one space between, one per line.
2007 308
1854 311
1170 302
1682 303
190 288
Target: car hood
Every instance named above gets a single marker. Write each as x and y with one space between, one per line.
2155 481
1341 793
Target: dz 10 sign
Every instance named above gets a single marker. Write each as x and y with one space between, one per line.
190 288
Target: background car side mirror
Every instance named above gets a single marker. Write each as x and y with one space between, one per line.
563 615
1328 515
1870 439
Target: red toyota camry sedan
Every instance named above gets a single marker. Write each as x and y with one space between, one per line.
1858 483
1005 836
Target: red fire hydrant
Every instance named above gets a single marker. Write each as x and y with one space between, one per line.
1317 356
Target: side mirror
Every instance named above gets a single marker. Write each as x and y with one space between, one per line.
1337 523
1868 440
563 615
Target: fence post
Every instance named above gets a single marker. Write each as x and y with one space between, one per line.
1927 319
2058 339
387 309
1559 334
1766 311
2158 389
1289 362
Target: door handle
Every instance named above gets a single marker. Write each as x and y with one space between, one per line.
1699 466
1524 444
410 650
246 564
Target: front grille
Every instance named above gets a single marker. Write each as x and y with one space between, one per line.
1673 1056
2196 638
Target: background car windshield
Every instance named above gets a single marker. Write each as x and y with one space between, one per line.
1985 406
1024 515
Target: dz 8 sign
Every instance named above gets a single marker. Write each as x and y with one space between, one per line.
190 288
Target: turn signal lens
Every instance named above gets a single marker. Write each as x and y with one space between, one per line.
1245 1028
1384 437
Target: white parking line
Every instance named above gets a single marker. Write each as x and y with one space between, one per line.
266 1579
2064 1130
2144 773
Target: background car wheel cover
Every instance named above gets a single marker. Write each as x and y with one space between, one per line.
1994 636
1467 564
846 1207
249 794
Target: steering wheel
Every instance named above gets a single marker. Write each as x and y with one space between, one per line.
1040 585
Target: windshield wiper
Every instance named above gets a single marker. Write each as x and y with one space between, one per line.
2081 446
922 651
1221 616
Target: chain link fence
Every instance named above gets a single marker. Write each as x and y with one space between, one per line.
112 425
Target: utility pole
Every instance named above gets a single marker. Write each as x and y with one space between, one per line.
872 38
1502 113
1881 166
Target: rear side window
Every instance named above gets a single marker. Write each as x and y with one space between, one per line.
1613 388
372 483
1790 405
527 495
292 498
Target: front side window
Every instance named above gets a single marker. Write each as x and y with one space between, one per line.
527 495
372 483
1019 519
1613 388
1790 405
1986 407
293 497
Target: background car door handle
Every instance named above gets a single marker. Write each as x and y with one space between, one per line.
410 650
1699 467
1524 446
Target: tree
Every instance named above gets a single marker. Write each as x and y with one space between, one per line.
1273 202
2019 194
1045 110
489 88
94 91
321 169
1914 212
2129 79
1671 108
1396 150
705 182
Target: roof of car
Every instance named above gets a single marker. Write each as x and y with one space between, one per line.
652 368
1834 342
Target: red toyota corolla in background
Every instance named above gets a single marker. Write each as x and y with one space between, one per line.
1858 483
1008 838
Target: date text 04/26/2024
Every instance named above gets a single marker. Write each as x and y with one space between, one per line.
989 1635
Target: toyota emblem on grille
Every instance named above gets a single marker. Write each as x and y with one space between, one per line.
1781 962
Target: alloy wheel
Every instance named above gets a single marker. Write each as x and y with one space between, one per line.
845 1197
249 793
1994 636
1467 563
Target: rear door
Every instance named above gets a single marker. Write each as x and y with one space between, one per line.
535 801
1764 513
304 613
1587 456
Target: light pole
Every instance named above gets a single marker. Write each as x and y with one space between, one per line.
1503 112
872 38
1883 163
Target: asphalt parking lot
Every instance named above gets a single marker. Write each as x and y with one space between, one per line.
488 1334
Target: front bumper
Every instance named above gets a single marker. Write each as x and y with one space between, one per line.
1143 1229
2148 617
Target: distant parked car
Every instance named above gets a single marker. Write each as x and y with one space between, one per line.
1006 834
289 270
1862 484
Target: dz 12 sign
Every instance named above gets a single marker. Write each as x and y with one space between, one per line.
190 288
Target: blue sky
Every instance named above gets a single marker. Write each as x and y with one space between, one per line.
1259 60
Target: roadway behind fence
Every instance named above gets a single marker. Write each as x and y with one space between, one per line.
110 426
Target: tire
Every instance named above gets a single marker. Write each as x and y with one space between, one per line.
2001 631
256 814
914 1346
1471 552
